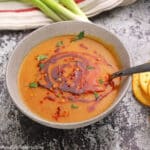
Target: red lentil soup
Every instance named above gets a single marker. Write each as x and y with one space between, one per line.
66 78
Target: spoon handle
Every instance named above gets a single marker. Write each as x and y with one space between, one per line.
137 69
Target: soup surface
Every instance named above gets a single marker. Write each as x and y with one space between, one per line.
66 78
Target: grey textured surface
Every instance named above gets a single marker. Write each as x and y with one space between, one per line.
127 128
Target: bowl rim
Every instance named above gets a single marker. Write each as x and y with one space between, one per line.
72 125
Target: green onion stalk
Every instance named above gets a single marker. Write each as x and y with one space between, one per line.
58 10
44 8
70 4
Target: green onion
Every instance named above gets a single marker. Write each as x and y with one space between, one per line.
96 95
74 106
59 43
79 36
100 81
59 9
43 7
33 85
41 66
70 4
59 95
90 67
41 57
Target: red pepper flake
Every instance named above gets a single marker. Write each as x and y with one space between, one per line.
112 84
65 59
41 102
50 98
45 74
107 77
95 52
60 113
98 59
64 114
83 46
57 114
57 50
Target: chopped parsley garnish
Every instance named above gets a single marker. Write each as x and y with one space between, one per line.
73 106
59 95
90 67
59 44
79 36
33 85
41 66
100 81
96 95
42 57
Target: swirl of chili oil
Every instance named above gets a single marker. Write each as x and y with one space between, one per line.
73 92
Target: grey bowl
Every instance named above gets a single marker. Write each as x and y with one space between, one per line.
55 29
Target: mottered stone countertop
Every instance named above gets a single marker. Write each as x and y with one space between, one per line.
127 128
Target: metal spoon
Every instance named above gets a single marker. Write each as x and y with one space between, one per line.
137 69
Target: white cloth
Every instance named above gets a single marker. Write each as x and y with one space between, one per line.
19 16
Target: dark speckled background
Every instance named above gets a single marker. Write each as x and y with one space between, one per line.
127 128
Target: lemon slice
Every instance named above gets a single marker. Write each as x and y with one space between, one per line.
138 92
148 88
144 81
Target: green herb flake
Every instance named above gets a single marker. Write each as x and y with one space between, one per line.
42 57
33 85
59 95
59 44
100 81
90 67
96 95
79 36
73 106
41 66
